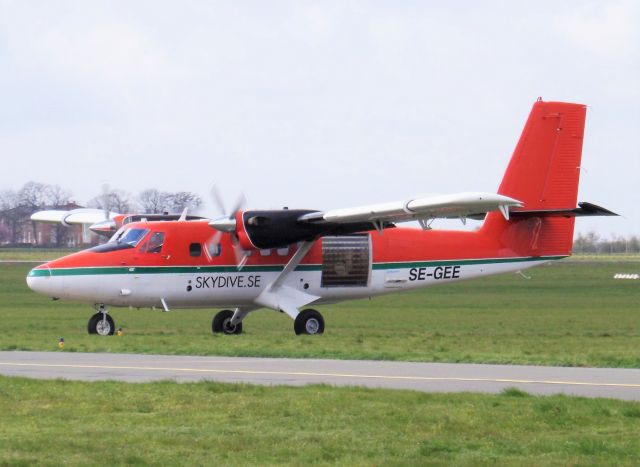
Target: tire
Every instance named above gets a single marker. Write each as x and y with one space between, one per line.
309 322
221 323
96 326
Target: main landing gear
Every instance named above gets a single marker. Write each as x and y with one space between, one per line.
308 321
101 323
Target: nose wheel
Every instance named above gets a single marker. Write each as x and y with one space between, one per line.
222 323
101 323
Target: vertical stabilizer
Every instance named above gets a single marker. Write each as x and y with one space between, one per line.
543 174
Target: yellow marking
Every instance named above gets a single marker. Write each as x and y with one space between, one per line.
334 375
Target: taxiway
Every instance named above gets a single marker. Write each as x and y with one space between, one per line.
429 377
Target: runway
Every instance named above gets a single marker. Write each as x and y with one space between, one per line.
428 377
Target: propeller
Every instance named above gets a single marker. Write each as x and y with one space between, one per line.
106 201
108 225
227 223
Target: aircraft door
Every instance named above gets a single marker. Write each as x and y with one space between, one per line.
346 261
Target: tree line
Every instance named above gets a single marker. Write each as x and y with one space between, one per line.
35 196
16 206
592 243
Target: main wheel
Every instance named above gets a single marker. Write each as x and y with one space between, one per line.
103 327
222 323
309 321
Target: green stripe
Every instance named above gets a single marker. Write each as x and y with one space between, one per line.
268 268
462 262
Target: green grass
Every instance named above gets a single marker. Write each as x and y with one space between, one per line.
63 422
34 254
567 313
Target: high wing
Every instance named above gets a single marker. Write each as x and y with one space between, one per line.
76 216
101 222
459 205
278 228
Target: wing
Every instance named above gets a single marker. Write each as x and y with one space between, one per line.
279 228
76 216
459 205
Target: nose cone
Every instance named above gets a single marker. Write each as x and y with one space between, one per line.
224 224
106 227
39 279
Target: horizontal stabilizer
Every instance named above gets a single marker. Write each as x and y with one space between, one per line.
584 209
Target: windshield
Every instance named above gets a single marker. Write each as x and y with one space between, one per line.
122 239
129 237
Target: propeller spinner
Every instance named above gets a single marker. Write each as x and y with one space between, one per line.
227 224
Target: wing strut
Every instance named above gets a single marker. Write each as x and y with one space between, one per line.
282 297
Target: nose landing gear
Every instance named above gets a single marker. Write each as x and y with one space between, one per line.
223 323
101 323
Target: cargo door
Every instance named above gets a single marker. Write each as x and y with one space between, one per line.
346 261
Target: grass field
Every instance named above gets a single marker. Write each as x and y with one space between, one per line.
33 254
62 422
570 313
567 313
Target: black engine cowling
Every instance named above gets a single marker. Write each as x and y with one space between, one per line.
283 227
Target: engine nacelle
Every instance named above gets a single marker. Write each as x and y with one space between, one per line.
274 228
283 227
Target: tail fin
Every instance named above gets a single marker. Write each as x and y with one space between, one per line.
543 174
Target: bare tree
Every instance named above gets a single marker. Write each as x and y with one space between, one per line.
114 200
8 199
57 197
184 199
9 214
33 195
153 201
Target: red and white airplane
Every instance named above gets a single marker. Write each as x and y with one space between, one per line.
288 259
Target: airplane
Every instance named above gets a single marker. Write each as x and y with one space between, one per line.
288 259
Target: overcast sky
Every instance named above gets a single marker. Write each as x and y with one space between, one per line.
313 104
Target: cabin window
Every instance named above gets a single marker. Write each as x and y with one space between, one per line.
283 251
265 252
154 245
195 250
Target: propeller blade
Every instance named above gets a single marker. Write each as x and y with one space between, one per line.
227 223
240 254
239 204
213 245
215 194
106 201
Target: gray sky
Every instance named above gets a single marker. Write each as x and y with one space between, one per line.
313 104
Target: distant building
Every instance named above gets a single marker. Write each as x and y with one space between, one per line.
17 228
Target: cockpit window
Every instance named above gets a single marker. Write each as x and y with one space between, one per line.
122 239
154 245
129 236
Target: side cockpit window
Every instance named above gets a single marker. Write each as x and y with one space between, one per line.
154 244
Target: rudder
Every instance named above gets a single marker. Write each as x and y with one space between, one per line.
543 173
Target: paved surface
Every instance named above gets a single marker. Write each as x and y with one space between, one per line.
428 377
